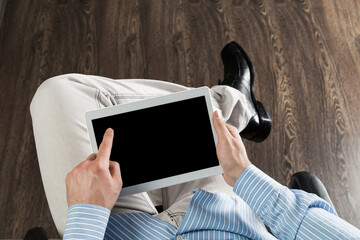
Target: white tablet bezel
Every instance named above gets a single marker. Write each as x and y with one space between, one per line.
151 102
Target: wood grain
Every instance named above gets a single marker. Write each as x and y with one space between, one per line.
307 66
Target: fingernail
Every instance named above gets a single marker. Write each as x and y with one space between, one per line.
110 131
217 115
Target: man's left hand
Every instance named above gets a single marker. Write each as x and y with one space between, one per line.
97 180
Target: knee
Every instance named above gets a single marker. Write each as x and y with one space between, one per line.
48 91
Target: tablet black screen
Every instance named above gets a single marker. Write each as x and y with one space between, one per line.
160 141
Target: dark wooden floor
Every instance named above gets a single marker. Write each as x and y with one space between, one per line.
307 62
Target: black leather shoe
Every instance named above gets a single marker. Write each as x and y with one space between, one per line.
37 233
308 182
239 74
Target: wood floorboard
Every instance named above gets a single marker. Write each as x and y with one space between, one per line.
306 56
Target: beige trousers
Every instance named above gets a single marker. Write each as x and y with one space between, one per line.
62 141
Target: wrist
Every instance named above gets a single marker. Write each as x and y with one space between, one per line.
233 175
86 217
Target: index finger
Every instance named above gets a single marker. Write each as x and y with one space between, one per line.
106 145
233 131
219 125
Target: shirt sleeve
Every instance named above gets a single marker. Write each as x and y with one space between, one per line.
86 221
291 214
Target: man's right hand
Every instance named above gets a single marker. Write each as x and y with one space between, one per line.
230 150
97 180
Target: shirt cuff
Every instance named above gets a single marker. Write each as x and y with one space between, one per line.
255 187
86 221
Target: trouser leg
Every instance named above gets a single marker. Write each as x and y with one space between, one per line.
62 141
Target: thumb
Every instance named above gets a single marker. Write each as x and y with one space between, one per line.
219 125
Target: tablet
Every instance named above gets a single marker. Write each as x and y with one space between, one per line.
160 141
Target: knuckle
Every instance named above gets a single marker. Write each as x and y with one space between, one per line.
98 167
233 128
222 141
81 166
105 143
120 183
116 164
75 170
226 140
67 178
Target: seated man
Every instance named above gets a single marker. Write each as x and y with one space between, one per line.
235 205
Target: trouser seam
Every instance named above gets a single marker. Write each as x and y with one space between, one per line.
97 98
122 96
130 95
173 215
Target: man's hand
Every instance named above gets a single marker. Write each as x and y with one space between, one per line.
97 180
230 150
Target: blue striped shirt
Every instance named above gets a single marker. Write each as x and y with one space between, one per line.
290 214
